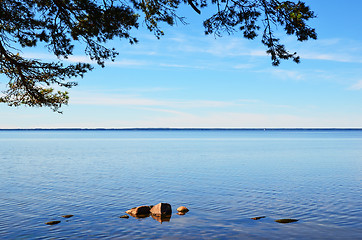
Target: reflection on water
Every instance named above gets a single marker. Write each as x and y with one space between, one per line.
225 178
161 218
158 218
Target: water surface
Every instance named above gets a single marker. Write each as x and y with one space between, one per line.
225 177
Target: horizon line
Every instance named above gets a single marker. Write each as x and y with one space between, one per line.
163 129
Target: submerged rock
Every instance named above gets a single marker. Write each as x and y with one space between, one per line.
286 220
52 222
67 216
182 209
137 211
161 209
124 216
257 218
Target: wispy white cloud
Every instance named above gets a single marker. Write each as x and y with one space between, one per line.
242 120
109 100
179 39
117 63
244 66
39 56
332 57
218 47
86 59
171 118
328 41
233 48
144 90
127 63
180 66
356 86
284 74
288 74
325 49
333 49
79 58
90 98
337 50
163 110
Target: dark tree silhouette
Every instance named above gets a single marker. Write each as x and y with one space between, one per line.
60 23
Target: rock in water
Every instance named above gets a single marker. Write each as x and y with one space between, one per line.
141 210
286 220
67 216
124 216
257 218
182 209
161 209
52 222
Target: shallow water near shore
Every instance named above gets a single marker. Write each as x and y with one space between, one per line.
224 177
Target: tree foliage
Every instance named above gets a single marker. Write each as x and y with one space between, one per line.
59 24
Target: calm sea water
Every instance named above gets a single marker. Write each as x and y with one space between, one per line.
223 177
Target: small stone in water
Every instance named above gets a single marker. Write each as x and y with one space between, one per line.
182 209
52 222
286 220
124 216
67 216
257 218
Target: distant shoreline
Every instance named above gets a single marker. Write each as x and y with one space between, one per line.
181 129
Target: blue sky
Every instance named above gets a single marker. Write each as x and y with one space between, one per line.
189 80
